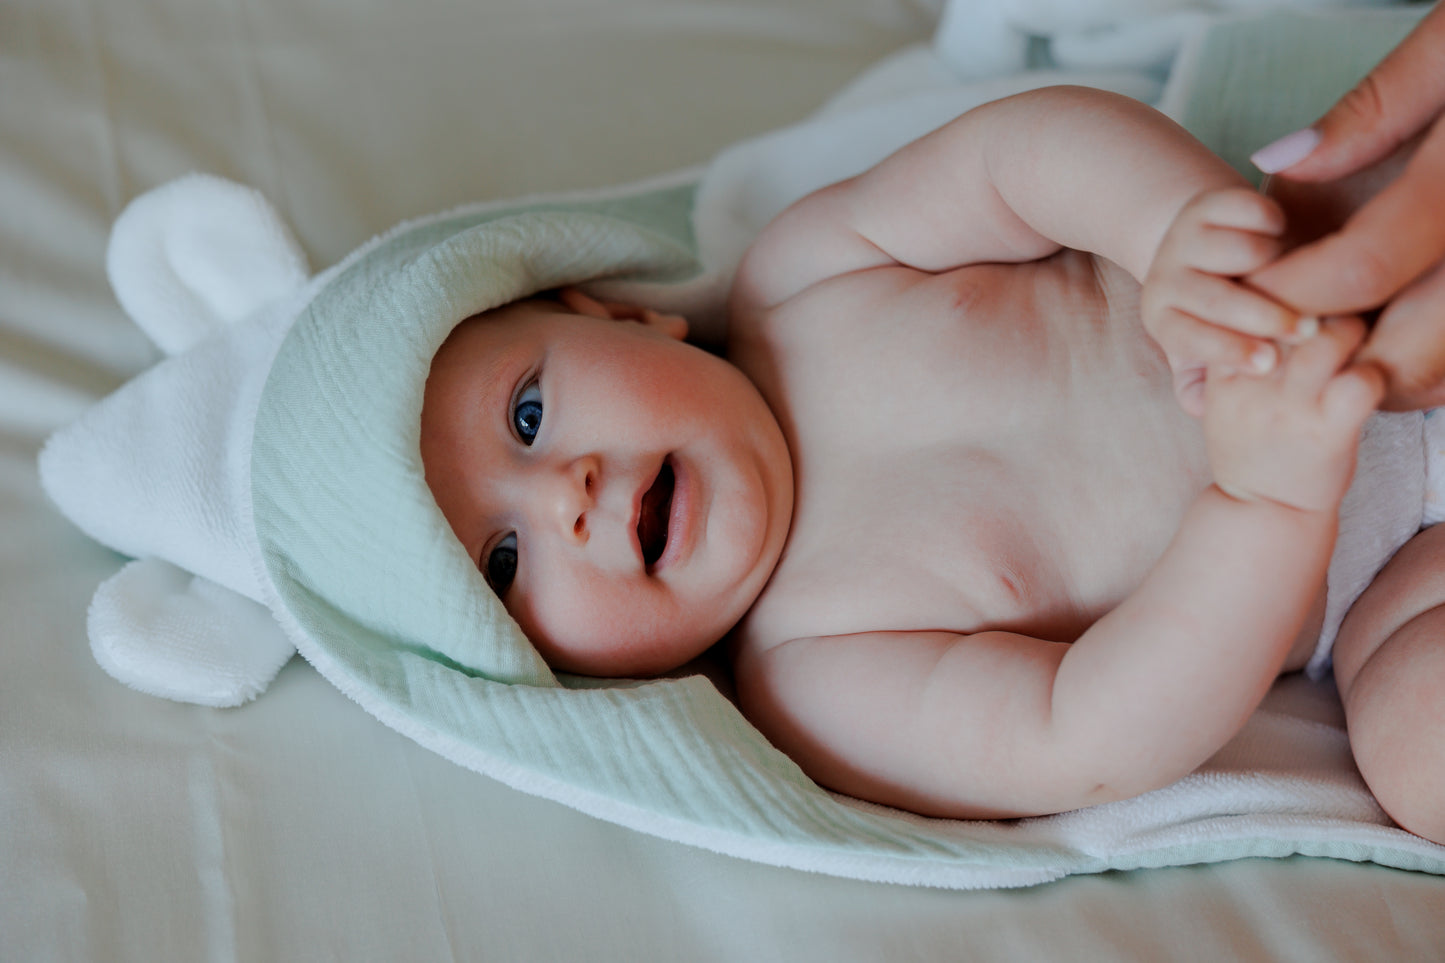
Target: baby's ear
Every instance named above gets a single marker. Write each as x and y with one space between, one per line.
672 325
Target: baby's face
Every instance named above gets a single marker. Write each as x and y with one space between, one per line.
626 494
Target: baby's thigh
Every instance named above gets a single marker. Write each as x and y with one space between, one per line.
1390 665
1411 584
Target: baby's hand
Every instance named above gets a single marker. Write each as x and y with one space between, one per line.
1290 435
1194 303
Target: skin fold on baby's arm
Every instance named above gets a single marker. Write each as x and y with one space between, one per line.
998 724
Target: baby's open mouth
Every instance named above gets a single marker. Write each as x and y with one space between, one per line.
653 514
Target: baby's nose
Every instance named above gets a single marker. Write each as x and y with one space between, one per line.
572 495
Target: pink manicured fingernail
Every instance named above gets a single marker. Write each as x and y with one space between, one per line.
1287 151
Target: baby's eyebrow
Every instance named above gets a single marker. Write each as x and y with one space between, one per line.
491 379
493 370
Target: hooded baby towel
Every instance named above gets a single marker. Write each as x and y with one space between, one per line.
268 479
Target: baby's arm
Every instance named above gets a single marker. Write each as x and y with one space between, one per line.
1013 180
999 724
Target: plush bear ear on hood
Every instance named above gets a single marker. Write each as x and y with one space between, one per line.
199 253
158 470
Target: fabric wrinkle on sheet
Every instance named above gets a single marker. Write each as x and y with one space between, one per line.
1398 490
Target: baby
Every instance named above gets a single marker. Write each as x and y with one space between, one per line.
946 498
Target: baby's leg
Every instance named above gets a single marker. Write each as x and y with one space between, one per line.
1390 666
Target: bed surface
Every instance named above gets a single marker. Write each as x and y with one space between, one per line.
298 827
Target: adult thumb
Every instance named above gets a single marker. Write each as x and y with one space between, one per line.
1403 94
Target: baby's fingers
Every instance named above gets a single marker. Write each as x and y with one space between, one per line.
1229 303
1228 251
1353 394
1312 364
1239 208
1190 342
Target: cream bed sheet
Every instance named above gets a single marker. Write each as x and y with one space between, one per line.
298 827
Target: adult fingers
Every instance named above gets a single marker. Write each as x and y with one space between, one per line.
1407 342
1387 243
1401 95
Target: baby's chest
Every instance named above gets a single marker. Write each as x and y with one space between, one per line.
991 468
985 350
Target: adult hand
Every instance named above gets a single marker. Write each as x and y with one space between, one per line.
1390 252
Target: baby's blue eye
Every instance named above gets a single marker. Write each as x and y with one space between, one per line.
500 565
527 413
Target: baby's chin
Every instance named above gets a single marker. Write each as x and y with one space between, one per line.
631 661
627 654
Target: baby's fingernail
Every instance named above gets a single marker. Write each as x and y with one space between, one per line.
1306 328
1287 151
1262 359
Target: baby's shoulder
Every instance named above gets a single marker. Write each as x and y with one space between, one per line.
813 242
839 311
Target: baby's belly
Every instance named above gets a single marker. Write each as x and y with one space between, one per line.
964 543
972 544
1009 580
1002 565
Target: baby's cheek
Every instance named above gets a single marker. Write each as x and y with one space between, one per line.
578 623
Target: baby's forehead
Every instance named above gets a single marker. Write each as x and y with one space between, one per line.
511 314
535 306
487 335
